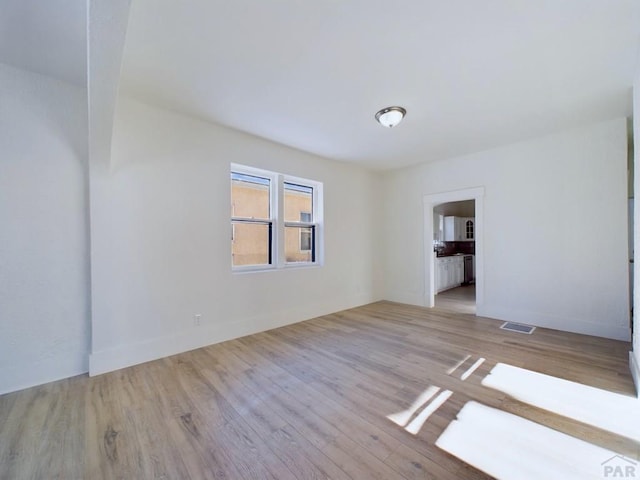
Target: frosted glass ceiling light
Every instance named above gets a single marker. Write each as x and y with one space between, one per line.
391 116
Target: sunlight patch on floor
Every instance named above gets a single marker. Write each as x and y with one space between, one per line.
608 411
417 423
402 418
458 365
472 369
506 446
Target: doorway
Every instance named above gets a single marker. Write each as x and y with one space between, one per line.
431 232
454 248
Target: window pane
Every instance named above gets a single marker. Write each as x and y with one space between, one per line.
250 196
251 244
298 200
299 244
306 217
305 239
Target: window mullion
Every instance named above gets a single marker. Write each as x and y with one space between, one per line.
278 216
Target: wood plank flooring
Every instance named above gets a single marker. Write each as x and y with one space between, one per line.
306 401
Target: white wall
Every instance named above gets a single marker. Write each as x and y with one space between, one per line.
170 258
555 229
634 358
44 269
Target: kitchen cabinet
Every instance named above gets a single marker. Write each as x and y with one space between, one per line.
459 229
468 225
438 227
449 272
451 229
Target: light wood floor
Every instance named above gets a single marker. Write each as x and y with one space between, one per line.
307 401
458 300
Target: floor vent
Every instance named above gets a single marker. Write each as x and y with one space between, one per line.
516 327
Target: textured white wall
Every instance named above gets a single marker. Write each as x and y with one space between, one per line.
44 272
170 253
555 223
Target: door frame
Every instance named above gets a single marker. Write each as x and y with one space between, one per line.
432 200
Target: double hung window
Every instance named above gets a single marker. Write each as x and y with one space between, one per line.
251 219
276 220
299 229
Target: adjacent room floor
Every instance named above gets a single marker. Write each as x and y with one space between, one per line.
459 300
360 394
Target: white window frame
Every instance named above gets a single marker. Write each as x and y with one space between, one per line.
278 258
273 181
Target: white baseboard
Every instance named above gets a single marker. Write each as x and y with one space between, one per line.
51 369
529 318
154 348
565 324
634 366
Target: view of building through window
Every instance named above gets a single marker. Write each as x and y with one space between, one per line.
298 237
251 235
254 221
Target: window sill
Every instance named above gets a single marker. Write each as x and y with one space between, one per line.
294 266
288 266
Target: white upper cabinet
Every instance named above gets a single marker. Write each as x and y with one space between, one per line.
468 228
459 229
451 229
438 227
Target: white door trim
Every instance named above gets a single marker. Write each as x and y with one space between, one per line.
431 201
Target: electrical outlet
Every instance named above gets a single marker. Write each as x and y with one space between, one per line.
197 318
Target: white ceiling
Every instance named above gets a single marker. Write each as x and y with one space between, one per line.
46 37
472 75
312 74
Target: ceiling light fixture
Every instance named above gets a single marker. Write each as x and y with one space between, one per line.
391 116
